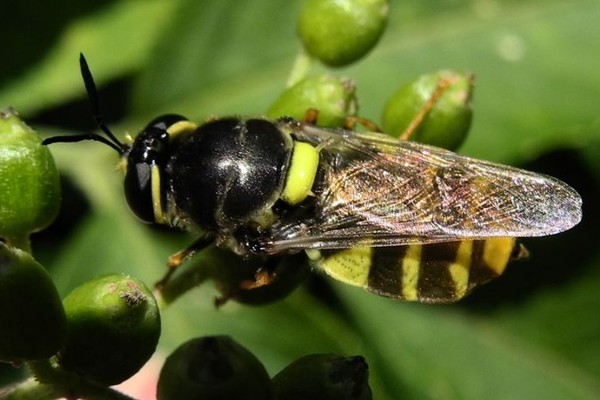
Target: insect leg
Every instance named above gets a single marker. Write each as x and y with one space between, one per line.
175 260
440 87
263 276
311 116
351 121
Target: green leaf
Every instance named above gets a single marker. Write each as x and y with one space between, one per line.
442 352
55 78
535 97
563 321
208 66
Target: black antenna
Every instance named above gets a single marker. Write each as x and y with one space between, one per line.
92 93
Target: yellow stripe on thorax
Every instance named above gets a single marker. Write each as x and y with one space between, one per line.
301 174
180 127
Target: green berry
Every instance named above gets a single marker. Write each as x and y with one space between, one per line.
29 181
32 318
213 368
333 97
339 32
448 121
113 328
324 377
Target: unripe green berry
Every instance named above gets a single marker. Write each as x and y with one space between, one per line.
32 318
339 32
113 328
448 121
324 377
29 181
332 97
213 368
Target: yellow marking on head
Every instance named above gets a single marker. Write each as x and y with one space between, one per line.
460 269
496 253
122 165
180 127
156 196
350 266
302 172
411 266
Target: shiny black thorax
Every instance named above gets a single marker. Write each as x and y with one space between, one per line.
227 172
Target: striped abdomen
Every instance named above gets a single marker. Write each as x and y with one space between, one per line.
432 273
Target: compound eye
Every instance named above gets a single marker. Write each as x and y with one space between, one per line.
138 192
145 166
165 121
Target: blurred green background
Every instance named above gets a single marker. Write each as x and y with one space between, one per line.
534 333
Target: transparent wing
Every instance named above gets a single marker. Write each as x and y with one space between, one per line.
377 191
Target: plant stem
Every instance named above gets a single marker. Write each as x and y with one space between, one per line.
22 242
29 389
300 68
53 382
